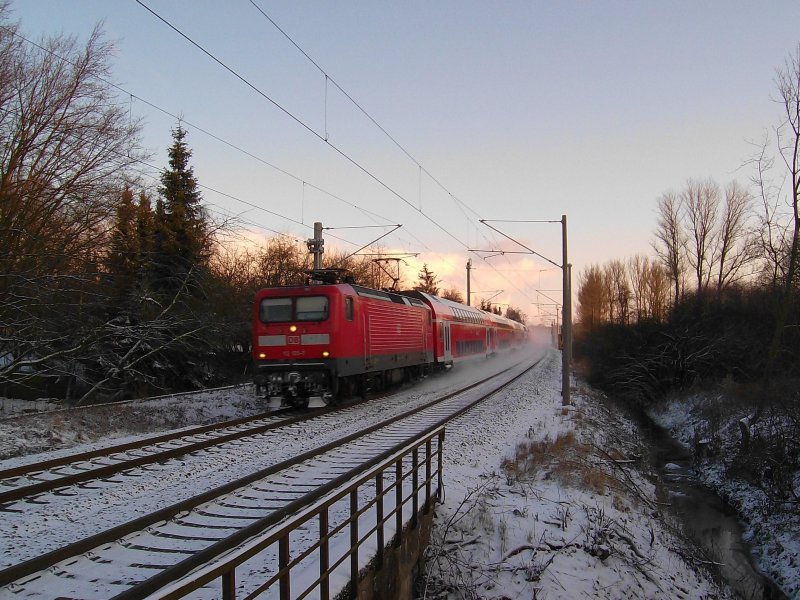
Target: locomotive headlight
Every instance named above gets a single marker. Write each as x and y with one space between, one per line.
262 355
325 354
293 328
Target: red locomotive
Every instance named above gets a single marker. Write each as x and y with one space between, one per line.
320 340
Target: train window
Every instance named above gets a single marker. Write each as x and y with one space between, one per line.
348 308
312 308
276 310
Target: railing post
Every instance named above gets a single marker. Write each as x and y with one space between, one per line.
379 518
229 585
398 501
415 485
428 476
354 541
439 491
324 556
283 563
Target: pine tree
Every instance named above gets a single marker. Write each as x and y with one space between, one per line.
146 238
182 229
124 258
428 281
145 222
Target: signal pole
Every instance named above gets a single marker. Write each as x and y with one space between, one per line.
469 267
316 246
566 351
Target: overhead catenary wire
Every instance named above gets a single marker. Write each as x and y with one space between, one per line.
315 133
460 203
370 214
299 121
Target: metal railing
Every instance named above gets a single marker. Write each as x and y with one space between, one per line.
370 502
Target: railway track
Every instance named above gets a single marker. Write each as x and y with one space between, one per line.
135 558
34 479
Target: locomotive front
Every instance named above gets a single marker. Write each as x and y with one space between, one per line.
293 343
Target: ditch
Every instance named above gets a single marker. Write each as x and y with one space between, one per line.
705 518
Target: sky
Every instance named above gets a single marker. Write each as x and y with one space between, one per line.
452 112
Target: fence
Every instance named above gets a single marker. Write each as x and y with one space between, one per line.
352 516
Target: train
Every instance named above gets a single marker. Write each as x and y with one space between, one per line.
330 340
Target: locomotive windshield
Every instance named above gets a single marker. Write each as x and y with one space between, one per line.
302 308
312 308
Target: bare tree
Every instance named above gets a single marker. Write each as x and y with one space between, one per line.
697 230
670 241
772 230
734 241
638 267
658 286
700 200
592 304
65 149
618 291
282 262
788 143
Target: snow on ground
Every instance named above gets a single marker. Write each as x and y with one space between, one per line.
23 433
542 501
774 535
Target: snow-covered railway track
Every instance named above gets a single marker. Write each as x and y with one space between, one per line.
30 481
144 554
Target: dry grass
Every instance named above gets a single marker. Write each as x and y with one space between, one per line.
565 459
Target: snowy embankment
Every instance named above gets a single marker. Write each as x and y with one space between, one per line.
773 533
26 433
545 501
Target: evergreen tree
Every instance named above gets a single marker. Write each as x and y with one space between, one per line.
124 257
515 314
427 281
182 230
145 223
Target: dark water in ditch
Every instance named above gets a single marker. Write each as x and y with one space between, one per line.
706 519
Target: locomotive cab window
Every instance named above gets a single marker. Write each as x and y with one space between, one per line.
312 308
276 310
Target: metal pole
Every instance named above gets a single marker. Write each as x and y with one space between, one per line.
469 266
319 249
316 246
566 350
